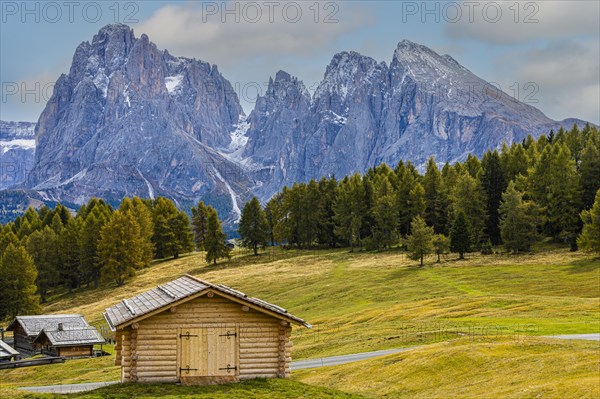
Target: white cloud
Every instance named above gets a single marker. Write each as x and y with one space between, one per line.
567 74
506 22
262 31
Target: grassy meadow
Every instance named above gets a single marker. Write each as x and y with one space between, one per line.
482 316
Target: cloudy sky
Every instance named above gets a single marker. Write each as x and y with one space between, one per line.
546 53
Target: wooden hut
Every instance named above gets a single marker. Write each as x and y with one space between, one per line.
27 328
7 353
69 342
195 332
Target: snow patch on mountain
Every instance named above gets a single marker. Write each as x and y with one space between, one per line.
173 83
24 144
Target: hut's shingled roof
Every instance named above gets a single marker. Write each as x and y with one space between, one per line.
175 291
71 336
6 351
33 325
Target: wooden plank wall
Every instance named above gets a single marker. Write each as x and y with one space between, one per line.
75 351
149 349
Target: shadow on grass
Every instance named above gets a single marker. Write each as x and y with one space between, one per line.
584 265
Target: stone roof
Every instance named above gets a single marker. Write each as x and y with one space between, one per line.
71 336
175 291
6 351
33 325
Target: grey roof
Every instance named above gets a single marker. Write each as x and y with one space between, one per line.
33 325
6 351
174 291
71 336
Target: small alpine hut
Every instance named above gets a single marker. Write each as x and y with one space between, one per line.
7 353
47 333
195 332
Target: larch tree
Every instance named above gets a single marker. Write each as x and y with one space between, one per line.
460 235
589 240
435 201
120 248
17 283
253 227
420 240
172 232
589 168
517 221
199 224
554 185
469 198
215 239
143 215
494 184
385 212
42 245
441 243
350 209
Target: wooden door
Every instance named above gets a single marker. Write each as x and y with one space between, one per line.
222 352
208 352
193 358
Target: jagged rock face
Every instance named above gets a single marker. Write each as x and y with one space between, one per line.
364 113
130 119
17 152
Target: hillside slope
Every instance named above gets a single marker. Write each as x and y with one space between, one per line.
370 301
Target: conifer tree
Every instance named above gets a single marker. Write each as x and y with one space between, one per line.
199 224
554 185
253 227
120 248
143 216
441 243
349 210
420 240
469 198
589 168
409 200
589 240
493 184
8 237
215 239
460 235
69 247
435 201
17 283
172 233
517 221
96 216
326 226
385 213
42 246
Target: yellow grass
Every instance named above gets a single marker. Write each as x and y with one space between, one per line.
527 368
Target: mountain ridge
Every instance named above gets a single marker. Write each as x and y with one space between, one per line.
130 119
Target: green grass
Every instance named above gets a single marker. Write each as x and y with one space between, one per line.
255 389
526 368
370 301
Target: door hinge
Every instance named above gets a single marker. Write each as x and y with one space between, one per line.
228 334
187 370
187 335
229 368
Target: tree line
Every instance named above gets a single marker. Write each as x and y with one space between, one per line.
514 197
49 249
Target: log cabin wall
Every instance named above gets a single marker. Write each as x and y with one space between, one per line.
22 341
149 349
